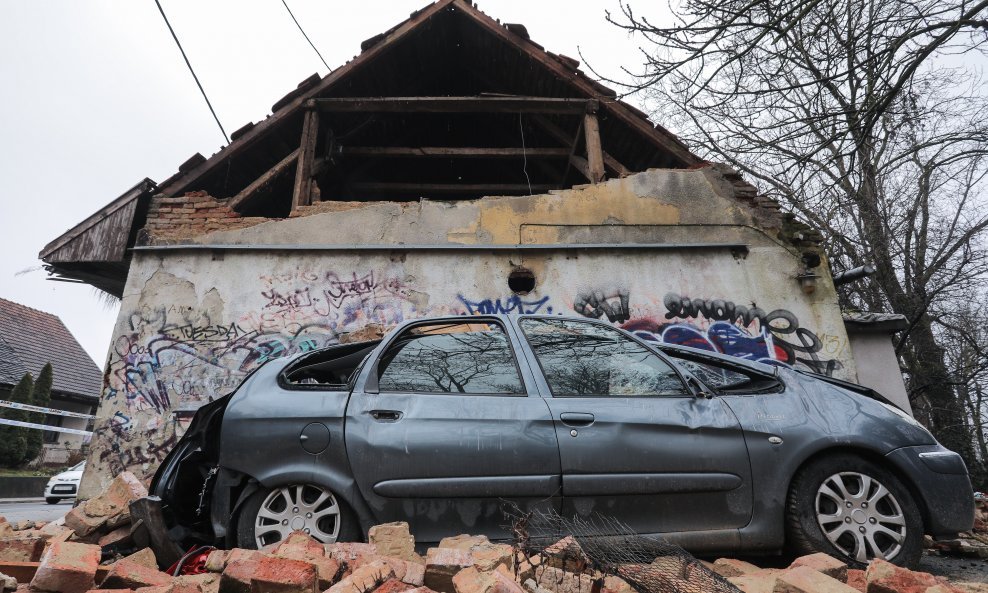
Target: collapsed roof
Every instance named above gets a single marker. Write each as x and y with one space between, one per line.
449 104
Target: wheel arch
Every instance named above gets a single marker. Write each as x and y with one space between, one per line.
342 486
873 457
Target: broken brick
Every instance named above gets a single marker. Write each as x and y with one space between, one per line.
472 580
463 542
823 563
131 574
488 556
347 552
441 564
109 509
393 586
615 584
885 577
283 575
762 581
561 581
856 579
394 540
365 579
566 554
23 547
67 567
804 579
732 567
118 537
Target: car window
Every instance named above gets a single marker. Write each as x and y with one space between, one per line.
724 378
464 358
589 359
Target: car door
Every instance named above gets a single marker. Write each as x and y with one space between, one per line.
446 430
635 443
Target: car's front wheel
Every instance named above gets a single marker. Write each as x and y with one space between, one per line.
268 516
856 510
52 500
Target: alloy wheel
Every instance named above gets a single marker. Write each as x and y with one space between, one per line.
298 507
860 517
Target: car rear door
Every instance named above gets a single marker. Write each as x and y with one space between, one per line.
635 443
446 429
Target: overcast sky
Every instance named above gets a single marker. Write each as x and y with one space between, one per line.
95 97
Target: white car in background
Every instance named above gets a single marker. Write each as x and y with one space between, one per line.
65 485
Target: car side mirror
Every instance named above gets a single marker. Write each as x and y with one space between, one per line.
698 390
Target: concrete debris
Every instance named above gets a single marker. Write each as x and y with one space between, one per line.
389 564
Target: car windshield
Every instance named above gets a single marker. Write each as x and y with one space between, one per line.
78 467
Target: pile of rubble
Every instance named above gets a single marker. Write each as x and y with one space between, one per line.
972 544
81 554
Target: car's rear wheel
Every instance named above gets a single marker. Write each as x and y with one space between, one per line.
856 510
268 516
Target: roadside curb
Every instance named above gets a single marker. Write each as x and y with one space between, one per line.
20 500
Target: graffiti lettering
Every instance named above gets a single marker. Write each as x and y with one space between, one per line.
512 304
612 303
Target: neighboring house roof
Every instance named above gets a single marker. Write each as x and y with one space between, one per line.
29 339
875 322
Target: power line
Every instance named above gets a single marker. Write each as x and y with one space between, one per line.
312 45
187 63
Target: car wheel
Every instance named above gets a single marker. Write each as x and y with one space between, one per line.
855 510
52 500
268 516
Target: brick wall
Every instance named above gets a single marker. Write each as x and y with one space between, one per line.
191 215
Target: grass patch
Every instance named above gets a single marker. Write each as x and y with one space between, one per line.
28 473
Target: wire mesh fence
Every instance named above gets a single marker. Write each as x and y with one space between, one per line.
583 554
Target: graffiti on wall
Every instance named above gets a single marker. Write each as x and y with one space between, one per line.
720 325
173 356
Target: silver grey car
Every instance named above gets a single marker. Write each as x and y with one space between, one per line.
446 419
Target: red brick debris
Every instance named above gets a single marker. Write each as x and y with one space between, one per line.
67 555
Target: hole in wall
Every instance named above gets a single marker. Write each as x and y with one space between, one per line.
521 280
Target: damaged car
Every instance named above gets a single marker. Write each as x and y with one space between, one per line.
446 420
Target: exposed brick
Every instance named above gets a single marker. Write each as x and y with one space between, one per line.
804 579
823 563
463 542
472 580
23 548
393 586
732 567
490 556
109 509
566 554
130 574
67 567
561 581
756 582
118 537
441 564
347 552
205 583
144 557
395 540
856 579
283 575
364 579
885 577
615 584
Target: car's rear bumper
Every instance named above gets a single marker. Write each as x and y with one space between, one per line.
941 482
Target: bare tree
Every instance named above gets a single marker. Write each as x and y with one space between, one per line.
865 117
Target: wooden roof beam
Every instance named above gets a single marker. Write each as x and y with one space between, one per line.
453 152
263 181
543 105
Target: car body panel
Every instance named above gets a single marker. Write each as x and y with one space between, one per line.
65 485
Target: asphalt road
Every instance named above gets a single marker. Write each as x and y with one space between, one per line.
35 511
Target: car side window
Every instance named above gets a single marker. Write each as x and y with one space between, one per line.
725 379
454 358
587 359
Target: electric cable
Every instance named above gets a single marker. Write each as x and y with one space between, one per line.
189 64
524 155
312 45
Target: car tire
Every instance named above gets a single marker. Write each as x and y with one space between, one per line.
278 511
53 500
855 510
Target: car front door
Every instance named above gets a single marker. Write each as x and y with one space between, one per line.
636 444
445 431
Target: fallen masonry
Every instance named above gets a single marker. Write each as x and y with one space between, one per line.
99 546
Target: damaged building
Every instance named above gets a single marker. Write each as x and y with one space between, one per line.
454 166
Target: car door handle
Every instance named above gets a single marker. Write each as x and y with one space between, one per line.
576 419
385 415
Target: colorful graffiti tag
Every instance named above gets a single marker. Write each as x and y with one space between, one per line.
722 326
